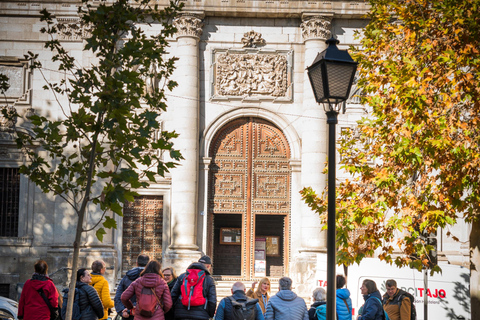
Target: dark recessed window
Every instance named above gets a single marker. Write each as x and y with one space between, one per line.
9 201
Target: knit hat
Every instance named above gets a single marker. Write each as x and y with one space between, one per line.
205 260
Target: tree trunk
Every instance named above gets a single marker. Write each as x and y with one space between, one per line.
475 270
76 254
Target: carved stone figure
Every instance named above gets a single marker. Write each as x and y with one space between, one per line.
72 29
252 39
7 124
316 27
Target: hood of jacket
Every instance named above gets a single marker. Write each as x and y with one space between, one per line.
343 293
39 281
317 303
96 277
375 294
134 273
199 265
240 295
150 280
287 295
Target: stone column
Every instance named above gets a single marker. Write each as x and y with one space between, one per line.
315 31
183 117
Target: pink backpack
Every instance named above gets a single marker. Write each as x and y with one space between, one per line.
147 302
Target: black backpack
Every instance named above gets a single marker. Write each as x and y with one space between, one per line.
243 310
76 312
413 311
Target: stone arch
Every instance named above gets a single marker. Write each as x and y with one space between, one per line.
281 122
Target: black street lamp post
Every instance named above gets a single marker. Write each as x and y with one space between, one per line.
331 76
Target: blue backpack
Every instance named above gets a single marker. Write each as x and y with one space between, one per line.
321 312
76 312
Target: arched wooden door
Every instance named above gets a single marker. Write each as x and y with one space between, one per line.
249 198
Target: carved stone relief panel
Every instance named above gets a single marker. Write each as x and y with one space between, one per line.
252 74
19 78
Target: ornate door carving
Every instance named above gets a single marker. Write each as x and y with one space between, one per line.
249 174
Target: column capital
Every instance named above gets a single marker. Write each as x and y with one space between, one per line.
189 25
316 26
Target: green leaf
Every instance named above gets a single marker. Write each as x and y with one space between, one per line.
100 232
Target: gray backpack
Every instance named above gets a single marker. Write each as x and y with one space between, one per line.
243 310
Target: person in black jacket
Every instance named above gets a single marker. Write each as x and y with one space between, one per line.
209 292
319 296
89 302
132 275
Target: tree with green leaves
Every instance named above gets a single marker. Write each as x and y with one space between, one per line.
108 141
413 164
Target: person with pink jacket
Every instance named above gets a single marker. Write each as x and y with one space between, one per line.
150 278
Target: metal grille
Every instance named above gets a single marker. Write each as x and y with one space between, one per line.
5 290
142 229
9 201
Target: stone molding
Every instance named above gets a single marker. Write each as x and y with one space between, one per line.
252 74
19 78
316 27
189 25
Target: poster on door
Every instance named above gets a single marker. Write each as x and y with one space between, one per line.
260 268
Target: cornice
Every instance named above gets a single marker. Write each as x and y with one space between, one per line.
351 9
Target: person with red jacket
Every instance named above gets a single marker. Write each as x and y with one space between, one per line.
151 277
31 305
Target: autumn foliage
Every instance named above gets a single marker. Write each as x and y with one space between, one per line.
414 162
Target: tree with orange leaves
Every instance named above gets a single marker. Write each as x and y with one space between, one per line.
414 162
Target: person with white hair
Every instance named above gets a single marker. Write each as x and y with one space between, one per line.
286 304
318 309
238 305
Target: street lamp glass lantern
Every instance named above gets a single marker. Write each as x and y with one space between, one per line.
331 75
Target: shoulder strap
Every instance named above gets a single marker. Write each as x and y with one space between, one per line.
381 306
158 300
40 291
346 304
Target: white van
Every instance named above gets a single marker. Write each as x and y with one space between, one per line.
448 293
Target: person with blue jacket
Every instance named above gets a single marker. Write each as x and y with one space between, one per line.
131 276
225 307
286 304
372 309
343 302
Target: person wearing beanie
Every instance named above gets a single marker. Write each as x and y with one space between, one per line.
206 311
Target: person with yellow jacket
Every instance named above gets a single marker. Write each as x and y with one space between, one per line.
261 293
101 285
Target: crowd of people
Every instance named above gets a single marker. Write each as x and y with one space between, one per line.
148 292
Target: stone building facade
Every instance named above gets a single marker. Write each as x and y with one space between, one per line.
250 130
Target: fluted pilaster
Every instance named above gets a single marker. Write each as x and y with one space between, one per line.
184 117
315 30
